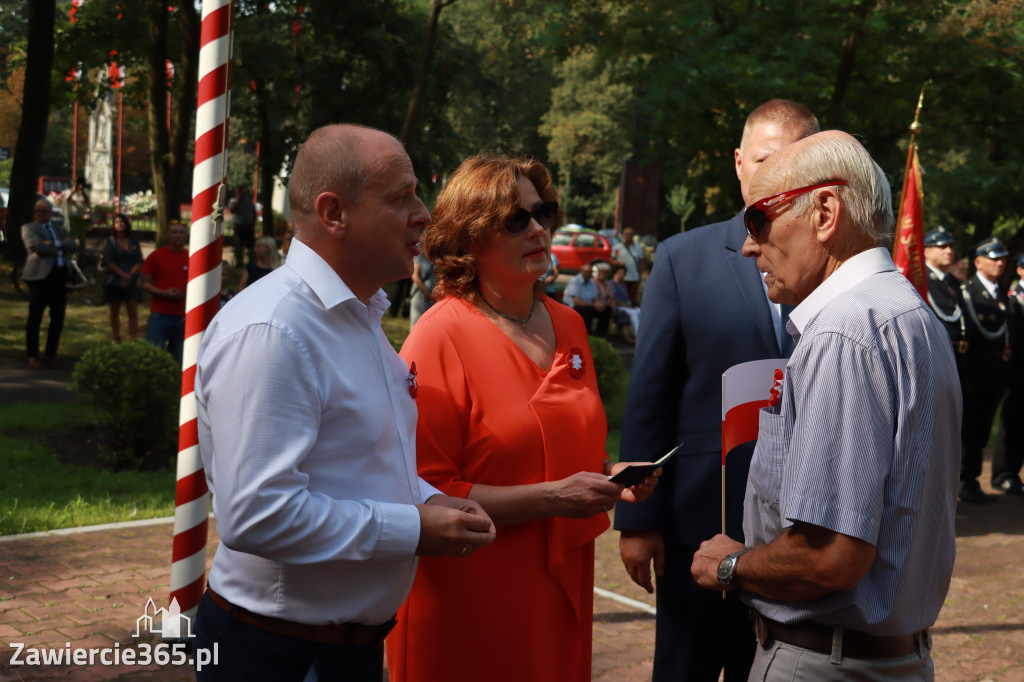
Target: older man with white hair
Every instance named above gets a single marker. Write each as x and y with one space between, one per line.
851 499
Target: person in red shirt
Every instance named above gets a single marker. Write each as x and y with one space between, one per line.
165 277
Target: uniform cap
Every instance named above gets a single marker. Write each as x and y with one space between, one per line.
993 247
938 237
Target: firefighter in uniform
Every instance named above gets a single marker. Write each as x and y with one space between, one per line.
1009 452
944 290
986 362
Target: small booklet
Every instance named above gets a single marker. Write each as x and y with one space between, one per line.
635 473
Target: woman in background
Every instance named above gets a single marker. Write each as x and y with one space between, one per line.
122 258
265 260
509 416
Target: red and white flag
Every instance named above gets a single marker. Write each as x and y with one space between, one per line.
746 388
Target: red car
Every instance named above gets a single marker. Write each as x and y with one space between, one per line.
576 248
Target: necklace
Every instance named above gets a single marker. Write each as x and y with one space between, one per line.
523 321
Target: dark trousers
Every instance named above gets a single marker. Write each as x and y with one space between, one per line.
247 653
983 389
589 313
697 632
46 293
1009 453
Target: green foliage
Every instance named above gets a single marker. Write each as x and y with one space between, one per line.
43 488
608 367
589 112
135 388
682 202
580 83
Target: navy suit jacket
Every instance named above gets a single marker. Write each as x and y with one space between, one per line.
704 310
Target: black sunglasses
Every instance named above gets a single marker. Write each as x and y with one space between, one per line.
545 214
754 217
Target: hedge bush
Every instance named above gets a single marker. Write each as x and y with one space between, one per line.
611 373
136 389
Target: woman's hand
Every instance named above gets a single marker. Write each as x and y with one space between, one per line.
642 490
582 495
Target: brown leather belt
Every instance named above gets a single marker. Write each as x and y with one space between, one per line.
331 633
816 637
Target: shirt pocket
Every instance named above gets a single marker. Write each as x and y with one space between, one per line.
773 438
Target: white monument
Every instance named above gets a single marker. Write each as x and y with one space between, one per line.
99 159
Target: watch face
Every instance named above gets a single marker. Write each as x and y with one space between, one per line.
725 569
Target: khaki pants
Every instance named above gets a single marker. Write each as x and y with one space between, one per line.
782 662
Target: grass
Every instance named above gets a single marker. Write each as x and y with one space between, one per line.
39 492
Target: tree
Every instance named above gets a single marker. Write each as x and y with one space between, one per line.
168 148
587 126
35 114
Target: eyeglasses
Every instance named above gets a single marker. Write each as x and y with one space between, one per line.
754 217
545 215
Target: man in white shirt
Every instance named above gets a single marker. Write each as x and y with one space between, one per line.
307 432
629 254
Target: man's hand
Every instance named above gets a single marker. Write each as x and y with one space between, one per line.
707 558
452 526
638 548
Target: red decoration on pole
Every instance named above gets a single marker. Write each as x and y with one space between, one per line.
74 74
202 299
117 78
169 65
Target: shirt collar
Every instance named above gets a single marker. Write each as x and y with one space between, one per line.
990 286
327 284
851 273
939 273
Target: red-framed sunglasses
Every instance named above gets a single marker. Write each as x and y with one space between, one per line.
754 217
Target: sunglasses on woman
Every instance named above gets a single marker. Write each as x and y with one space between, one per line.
754 217
545 214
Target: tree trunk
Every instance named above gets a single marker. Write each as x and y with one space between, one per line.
181 126
846 64
423 70
35 114
156 109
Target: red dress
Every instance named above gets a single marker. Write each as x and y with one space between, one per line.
522 608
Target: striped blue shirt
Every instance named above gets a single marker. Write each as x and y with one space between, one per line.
865 442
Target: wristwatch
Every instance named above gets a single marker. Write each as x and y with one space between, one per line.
727 569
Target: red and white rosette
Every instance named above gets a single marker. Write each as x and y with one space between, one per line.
202 299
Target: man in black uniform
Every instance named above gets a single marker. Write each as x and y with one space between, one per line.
944 290
986 362
1009 453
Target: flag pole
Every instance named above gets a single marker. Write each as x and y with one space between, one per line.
723 506
915 128
202 300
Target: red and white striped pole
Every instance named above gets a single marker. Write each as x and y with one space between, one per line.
202 299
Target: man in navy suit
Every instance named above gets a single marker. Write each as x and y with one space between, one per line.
705 309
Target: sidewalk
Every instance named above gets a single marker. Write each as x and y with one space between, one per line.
89 589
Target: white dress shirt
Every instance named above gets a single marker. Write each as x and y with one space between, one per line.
307 432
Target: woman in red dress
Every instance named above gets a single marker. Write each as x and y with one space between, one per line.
510 416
